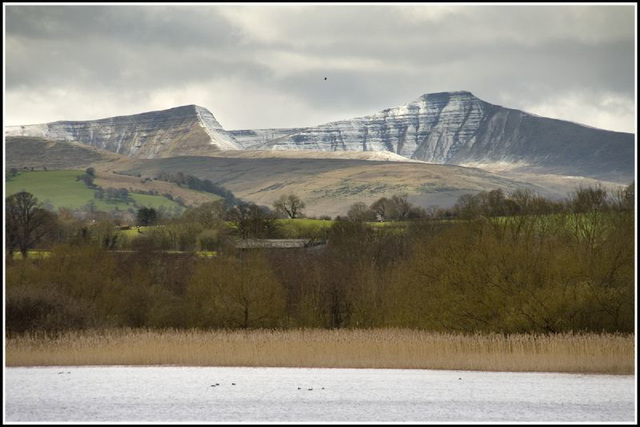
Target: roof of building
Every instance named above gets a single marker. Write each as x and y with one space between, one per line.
273 243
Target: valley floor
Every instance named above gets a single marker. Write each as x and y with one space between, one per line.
371 348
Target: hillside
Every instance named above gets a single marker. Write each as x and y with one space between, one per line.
35 152
328 181
60 188
330 186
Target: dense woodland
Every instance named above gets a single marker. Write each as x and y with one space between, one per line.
495 262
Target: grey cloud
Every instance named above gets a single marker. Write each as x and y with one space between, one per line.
536 72
485 47
170 27
385 26
374 56
120 46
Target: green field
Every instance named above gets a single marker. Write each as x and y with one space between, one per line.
61 189
306 223
151 201
41 254
32 254
326 223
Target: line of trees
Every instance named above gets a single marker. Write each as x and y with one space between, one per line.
571 270
394 208
195 183
522 201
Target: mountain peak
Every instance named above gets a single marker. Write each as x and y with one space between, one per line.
460 93
445 96
186 129
459 128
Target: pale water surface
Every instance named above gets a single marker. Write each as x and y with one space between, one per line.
276 395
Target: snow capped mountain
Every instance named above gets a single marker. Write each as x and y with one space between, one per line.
432 128
220 138
446 128
182 130
461 129
254 138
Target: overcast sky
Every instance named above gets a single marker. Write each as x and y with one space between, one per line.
263 66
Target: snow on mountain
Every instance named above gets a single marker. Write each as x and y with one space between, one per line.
459 128
445 128
177 131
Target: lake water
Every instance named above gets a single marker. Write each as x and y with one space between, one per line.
281 395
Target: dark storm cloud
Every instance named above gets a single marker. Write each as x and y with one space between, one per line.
523 54
487 48
167 26
375 56
118 46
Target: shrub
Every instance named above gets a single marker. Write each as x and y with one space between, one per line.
43 309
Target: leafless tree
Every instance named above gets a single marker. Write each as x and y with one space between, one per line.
251 220
26 221
290 205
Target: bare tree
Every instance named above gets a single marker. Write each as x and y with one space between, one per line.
290 205
26 221
359 211
401 206
210 215
251 220
236 293
381 208
395 208
589 199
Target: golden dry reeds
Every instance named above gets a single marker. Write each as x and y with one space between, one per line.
378 348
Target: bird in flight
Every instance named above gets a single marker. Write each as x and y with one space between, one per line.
325 78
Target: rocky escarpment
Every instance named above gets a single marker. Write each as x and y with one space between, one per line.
460 129
178 131
431 128
255 138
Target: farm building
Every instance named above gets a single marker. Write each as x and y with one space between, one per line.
275 243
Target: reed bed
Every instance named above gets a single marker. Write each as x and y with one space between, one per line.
378 348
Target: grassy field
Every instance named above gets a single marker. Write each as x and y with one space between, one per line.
32 254
39 254
61 189
304 228
382 348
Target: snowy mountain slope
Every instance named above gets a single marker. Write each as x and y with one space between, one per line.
176 131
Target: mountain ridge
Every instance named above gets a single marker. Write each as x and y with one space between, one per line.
459 128
455 128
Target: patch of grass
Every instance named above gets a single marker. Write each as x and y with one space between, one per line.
305 222
61 189
388 224
41 254
207 254
58 187
32 254
301 228
133 231
151 201
377 348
